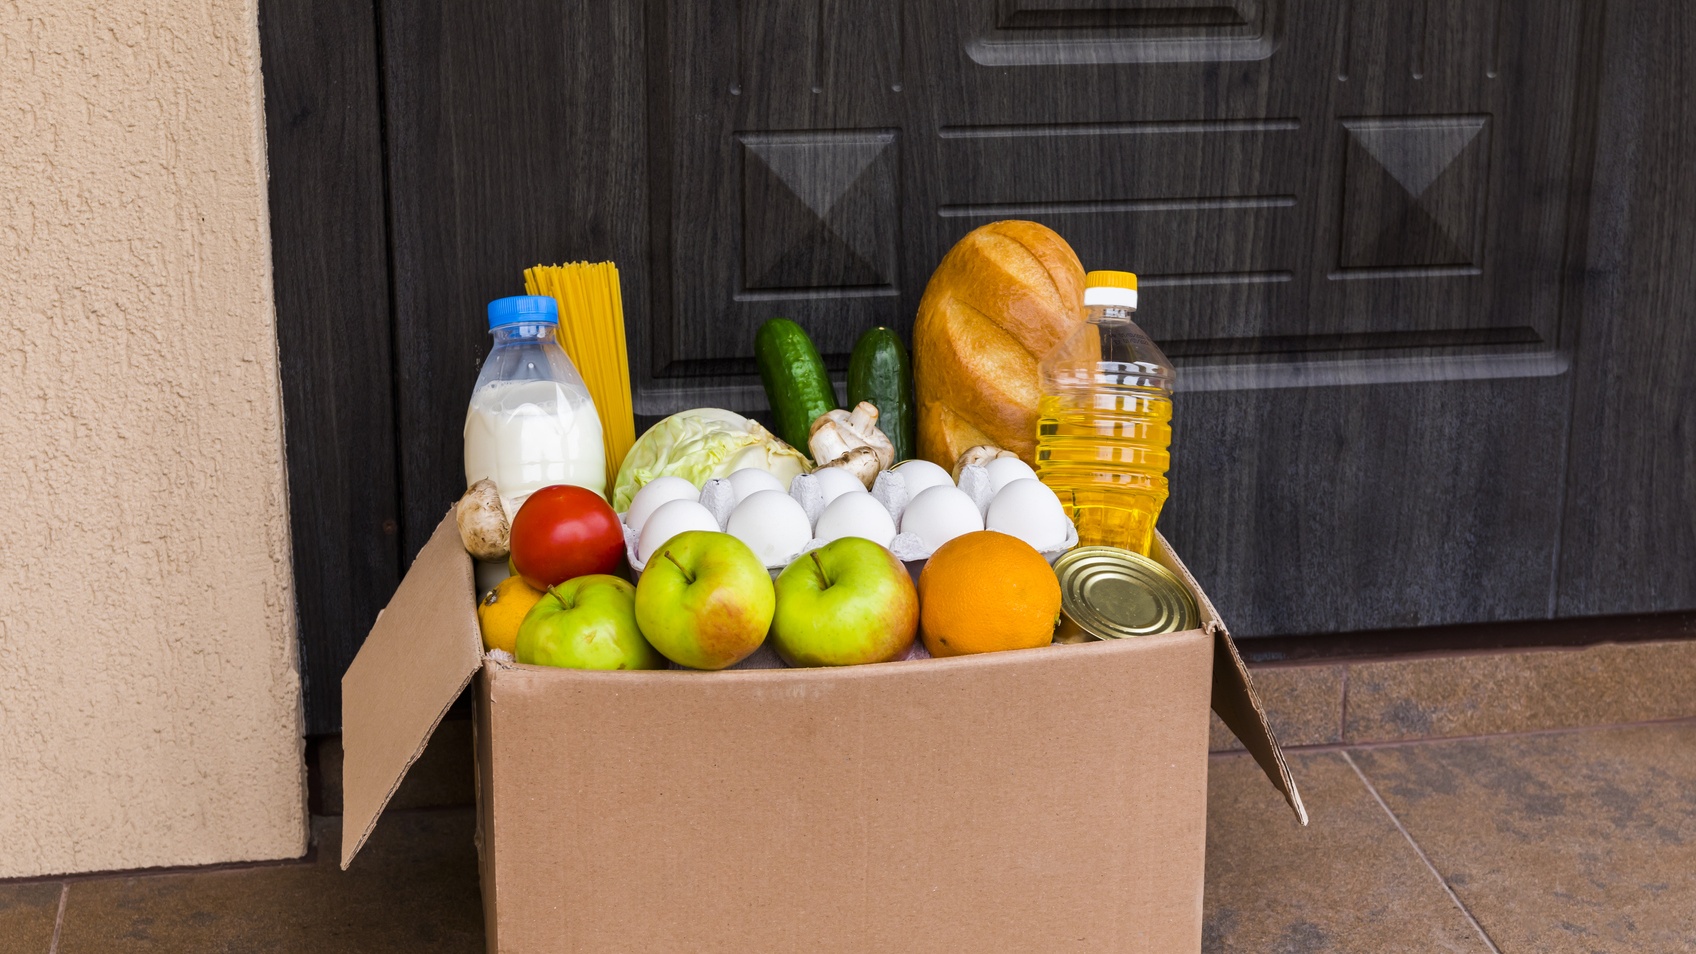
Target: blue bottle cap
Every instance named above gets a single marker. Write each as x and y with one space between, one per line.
521 309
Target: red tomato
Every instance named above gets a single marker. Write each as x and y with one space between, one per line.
562 532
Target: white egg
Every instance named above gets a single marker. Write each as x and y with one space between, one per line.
751 480
1005 470
668 520
834 482
856 515
921 475
772 524
655 494
1027 509
940 514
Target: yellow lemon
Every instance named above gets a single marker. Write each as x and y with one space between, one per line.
502 609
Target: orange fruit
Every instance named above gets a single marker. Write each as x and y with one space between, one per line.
984 592
501 610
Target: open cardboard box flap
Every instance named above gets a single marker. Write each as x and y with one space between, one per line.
425 648
1234 699
419 656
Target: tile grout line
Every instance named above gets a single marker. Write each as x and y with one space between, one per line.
1373 789
59 919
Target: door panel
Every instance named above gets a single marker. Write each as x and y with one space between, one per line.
1629 541
1349 219
1368 198
1367 231
513 140
1357 507
1413 202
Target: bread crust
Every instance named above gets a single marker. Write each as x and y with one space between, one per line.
1003 297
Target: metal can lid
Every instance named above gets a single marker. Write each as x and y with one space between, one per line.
1113 593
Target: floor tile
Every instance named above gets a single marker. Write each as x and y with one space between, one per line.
27 912
1575 841
1349 882
1304 705
1527 691
412 889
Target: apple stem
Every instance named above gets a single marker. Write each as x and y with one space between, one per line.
564 603
680 568
822 575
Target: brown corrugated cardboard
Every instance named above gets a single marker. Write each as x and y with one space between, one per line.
420 654
1234 698
485 810
1025 801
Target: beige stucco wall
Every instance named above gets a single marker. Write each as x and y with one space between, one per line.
149 700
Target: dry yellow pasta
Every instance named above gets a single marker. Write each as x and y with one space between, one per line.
591 330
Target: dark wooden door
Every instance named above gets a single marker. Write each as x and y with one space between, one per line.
1349 219
1366 231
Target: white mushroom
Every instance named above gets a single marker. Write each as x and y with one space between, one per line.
862 462
483 524
851 439
980 455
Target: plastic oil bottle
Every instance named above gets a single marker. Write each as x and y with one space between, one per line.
1105 420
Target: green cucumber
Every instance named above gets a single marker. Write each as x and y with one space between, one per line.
878 372
796 383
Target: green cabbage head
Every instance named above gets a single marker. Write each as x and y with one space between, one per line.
699 445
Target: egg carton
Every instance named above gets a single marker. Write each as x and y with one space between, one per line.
890 490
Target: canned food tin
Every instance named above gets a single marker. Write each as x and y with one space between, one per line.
1110 593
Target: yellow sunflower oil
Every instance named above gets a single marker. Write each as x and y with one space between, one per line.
1104 425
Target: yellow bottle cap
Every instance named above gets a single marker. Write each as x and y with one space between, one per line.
1107 279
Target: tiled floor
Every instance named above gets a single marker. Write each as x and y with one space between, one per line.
1433 695
1569 841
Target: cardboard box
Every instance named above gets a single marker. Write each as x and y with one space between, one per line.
1034 801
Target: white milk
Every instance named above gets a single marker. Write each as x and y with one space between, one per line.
525 435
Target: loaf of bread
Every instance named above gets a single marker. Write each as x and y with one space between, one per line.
1003 296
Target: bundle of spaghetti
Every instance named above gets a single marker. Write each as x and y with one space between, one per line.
591 330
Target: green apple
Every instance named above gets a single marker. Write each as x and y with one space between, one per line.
848 602
587 622
705 600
